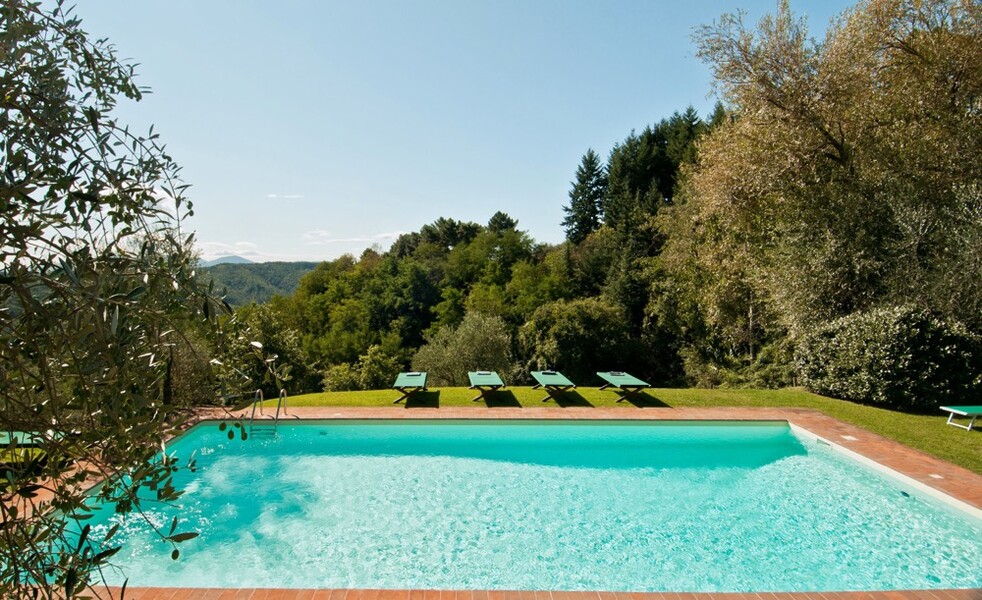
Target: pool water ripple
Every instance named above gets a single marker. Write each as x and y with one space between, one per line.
643 507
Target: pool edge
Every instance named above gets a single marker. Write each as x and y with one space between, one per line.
861 443
893 474
417 594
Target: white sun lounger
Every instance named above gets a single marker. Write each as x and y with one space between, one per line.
972 412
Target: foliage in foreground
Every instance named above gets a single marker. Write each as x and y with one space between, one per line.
98 304
713 247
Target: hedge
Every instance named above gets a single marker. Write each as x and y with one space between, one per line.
898 357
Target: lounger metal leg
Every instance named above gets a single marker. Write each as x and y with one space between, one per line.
554 391
628 393
484 392
406 393
959 425
551 394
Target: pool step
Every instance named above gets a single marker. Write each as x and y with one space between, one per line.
262 431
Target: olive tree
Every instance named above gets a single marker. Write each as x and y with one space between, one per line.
480 342
853 165
96 281
847 177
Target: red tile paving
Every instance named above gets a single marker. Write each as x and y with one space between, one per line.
295 594
955 481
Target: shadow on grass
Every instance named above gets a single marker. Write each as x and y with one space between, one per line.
428 399
501 398
570 398
645 400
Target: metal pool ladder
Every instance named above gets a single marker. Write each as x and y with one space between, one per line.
263 429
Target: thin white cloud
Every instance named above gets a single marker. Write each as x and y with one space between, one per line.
321 237
285 196
213 250
316 234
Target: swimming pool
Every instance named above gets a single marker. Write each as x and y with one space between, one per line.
642 506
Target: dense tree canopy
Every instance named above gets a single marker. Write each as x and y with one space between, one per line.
578 337
848 179
435 279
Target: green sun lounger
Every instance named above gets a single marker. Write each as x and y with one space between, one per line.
409 383
24 439
484 382
553 382
973 412
24 447
628 385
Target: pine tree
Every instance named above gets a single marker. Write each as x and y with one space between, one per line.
637 169
719 116
585 197
501 222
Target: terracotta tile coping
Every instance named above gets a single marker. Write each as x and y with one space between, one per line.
332 594
957 482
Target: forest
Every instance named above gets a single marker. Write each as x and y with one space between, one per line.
451 287
256 282
822 227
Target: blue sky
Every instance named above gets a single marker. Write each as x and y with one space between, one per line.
311 129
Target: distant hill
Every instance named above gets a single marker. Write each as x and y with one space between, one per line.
227 260
256 282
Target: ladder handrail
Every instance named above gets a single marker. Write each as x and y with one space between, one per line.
281 399
257 398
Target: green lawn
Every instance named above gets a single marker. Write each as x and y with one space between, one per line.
926 433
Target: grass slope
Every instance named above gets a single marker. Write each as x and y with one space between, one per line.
926 433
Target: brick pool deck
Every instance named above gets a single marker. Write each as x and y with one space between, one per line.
952 480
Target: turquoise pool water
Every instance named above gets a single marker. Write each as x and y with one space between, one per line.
545 505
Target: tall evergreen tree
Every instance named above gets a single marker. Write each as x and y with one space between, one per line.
501 222
681 132
719 116
642 170
637 170
583 212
